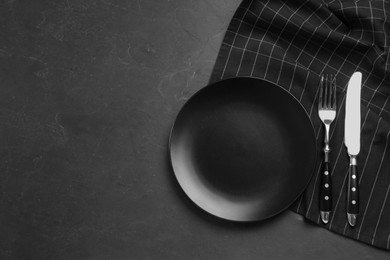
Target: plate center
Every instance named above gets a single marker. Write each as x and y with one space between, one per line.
239 150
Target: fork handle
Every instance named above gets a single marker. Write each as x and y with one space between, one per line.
326 188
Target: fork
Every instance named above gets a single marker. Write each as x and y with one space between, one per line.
327 113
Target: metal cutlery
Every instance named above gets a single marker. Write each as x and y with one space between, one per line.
352 142
327 112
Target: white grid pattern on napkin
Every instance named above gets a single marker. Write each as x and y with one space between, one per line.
259 43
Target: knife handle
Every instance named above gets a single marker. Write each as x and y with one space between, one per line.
353 190
326 189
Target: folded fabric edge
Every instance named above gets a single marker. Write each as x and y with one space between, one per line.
363 238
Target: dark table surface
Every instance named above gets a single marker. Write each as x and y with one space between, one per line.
89 92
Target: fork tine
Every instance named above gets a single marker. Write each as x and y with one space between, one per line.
320 101
334 92
330 96
326 99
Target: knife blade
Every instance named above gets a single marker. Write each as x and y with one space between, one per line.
352 142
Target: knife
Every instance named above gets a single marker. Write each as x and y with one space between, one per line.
352 142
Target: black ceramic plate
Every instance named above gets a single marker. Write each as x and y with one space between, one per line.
243 149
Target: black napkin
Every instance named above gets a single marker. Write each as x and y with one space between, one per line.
292 43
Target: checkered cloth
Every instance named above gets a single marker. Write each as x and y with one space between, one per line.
292 43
